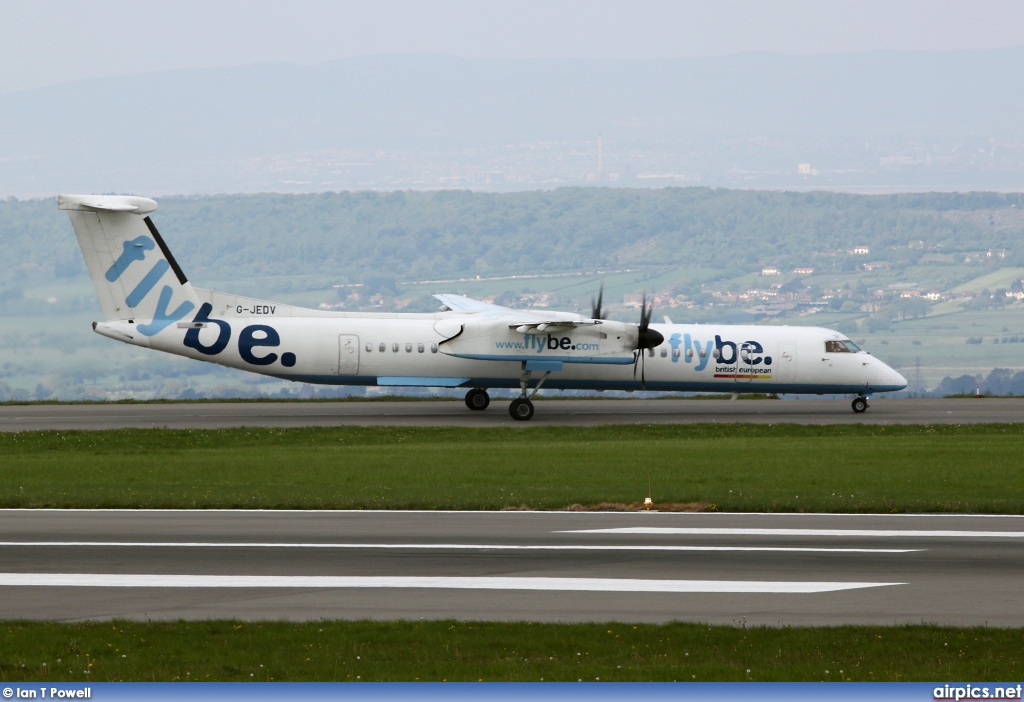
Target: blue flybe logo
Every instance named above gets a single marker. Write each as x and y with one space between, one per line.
135 251
724 353
253 340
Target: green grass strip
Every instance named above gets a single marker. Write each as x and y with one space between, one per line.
729 467
449 650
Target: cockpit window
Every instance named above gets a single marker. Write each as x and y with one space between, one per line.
845 346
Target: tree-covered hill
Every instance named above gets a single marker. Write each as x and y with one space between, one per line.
427 235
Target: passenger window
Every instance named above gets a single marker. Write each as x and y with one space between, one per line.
408 348
650 352
433 348
419 348
369 347
675 353
664 353
382 347
394 348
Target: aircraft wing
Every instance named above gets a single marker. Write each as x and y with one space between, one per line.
494 333
458 303
522 321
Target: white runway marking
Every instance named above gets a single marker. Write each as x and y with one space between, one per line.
445 547
697 531
443 583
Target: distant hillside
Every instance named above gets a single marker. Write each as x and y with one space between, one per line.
872 118
350 237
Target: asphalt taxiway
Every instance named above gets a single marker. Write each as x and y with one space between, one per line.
549 412
753 569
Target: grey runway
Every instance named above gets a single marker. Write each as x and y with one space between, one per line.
549 413
753 569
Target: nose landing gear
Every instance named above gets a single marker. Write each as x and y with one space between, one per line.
521 409
477 399
860 404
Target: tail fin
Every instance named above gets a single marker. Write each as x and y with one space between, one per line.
131 267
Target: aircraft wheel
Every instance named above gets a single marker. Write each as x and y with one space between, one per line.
477 399
521 409
860 404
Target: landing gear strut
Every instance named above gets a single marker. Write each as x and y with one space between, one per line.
477 399
521 408
860 404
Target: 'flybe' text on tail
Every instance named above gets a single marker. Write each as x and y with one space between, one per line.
134 273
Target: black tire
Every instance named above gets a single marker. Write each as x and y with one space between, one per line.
477 399
521 410
860 404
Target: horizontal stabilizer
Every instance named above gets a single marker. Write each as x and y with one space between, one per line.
106 203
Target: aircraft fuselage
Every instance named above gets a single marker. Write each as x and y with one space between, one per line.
408 350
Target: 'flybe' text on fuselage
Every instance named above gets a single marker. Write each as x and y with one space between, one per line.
726 354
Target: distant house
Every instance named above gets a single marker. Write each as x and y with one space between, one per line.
770 271
861 250
803 271
934 296
910 293
875 265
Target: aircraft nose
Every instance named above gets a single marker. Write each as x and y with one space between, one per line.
897 379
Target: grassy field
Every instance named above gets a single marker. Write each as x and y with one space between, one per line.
718 467
461 651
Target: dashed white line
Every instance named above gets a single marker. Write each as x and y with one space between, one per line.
699 531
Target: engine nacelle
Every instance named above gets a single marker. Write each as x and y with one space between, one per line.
591 341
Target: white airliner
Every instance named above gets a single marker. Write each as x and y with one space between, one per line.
147 301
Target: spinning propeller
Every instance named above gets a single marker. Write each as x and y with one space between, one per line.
648 338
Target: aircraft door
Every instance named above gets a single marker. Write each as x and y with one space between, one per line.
348 354
785 363
743 364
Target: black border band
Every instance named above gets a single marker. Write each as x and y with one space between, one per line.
166 252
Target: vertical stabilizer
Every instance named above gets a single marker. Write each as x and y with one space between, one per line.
133 271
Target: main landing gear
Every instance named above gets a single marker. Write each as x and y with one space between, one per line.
860 404
477 399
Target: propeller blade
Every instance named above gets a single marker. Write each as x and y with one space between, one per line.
595 305
648 338
639 360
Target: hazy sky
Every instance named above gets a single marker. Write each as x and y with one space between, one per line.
44 42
